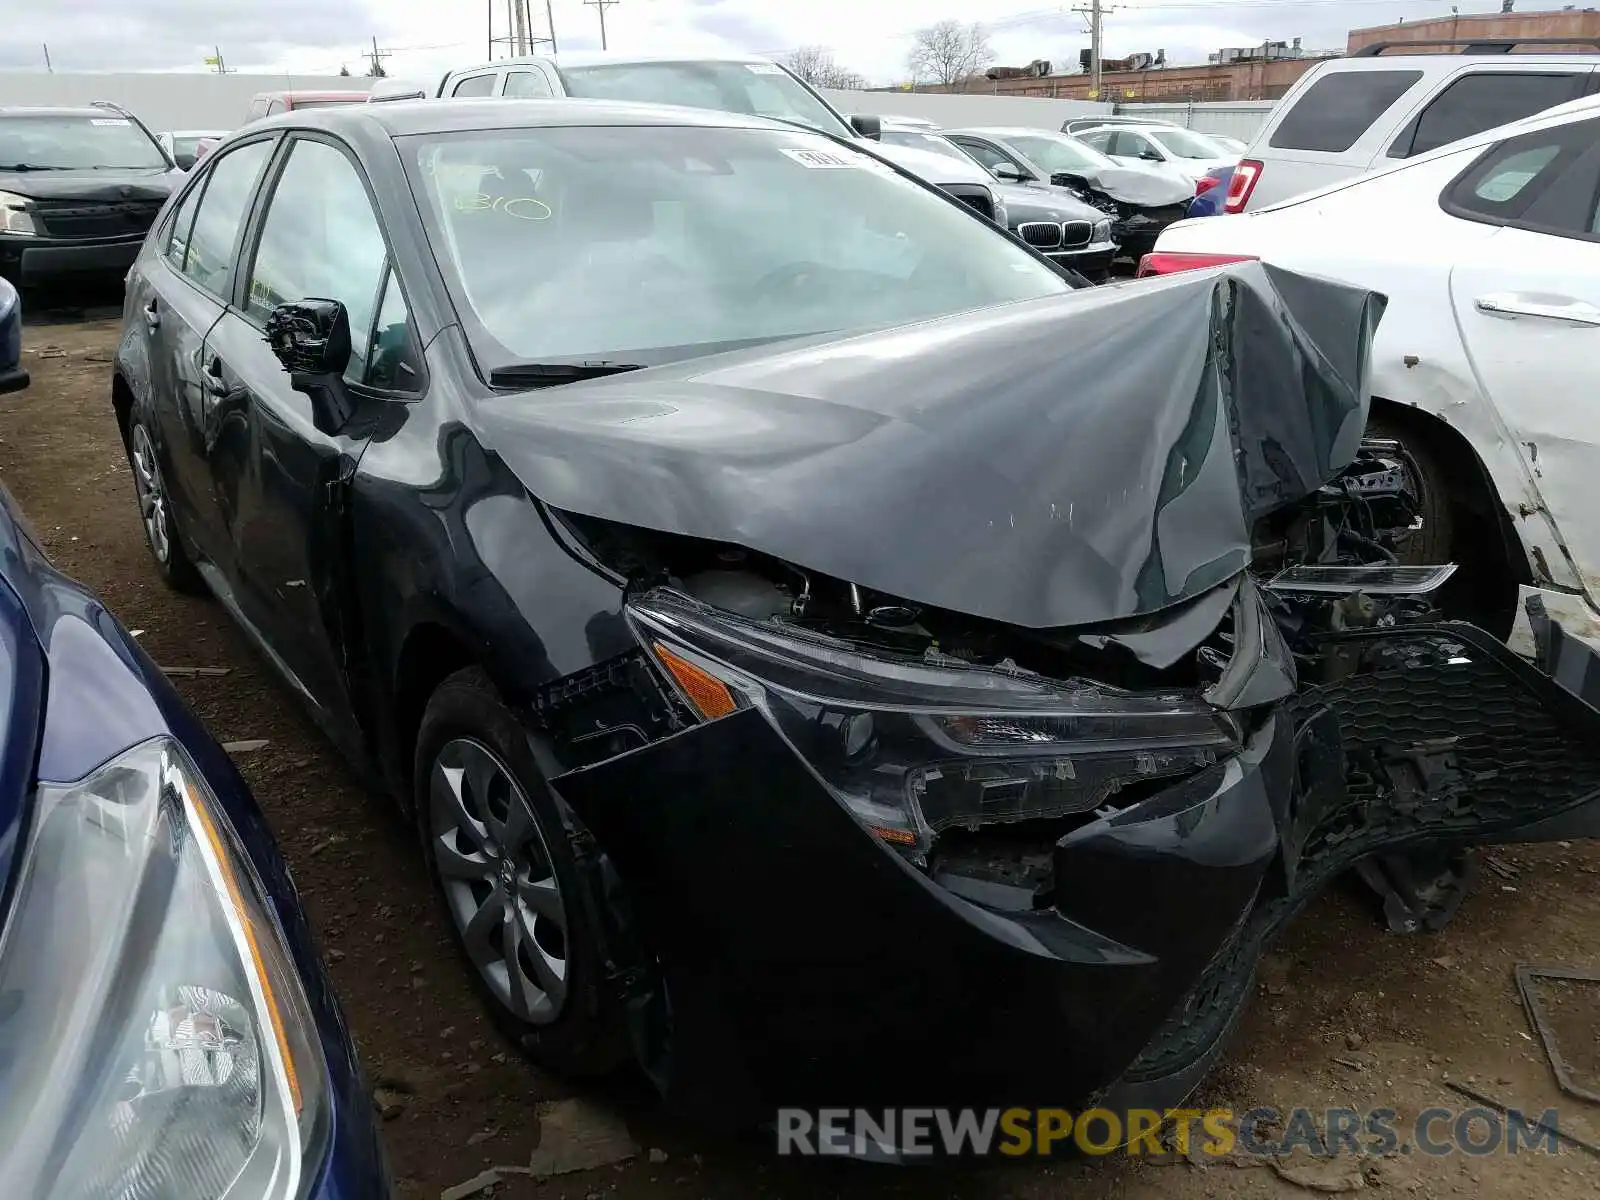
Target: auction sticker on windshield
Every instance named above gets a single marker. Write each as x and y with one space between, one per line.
823 160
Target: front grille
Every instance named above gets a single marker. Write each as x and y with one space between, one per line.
87 219
1076 234
974 195
1041 235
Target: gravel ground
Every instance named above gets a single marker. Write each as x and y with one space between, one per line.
1345 1014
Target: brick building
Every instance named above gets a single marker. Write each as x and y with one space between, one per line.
1584 22
1268 79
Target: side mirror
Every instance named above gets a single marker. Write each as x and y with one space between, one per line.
311 339
1009 172
185 160
868 126
1151 156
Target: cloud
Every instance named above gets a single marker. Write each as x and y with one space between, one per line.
427 38
108 35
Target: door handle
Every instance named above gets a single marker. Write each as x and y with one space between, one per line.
1549 308
211 378
152 315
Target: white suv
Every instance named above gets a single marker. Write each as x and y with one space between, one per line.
1351 115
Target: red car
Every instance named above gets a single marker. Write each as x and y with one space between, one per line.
270 104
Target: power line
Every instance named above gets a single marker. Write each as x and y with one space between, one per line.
601 6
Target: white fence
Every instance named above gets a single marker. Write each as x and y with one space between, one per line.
174 100
1241 119
955 110
180 100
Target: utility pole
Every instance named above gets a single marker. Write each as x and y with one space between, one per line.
47 65
550 19
1095 14
601 6
519 28
375 57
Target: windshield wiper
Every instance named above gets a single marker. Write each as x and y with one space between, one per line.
551 374
29 167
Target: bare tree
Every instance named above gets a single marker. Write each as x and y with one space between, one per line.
949 52
815 64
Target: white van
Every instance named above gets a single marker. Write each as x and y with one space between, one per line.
1348 116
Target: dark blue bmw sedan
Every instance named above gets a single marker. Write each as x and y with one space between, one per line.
167 1031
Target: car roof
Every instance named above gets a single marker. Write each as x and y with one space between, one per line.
403 118
56 110
596 58
302 94
1445 63
1005 131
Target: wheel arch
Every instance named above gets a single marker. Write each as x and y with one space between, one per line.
1473 495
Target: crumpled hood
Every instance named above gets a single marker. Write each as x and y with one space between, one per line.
110 186
1080 458
1137 185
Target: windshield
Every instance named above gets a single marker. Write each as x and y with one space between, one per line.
1185 143
1059 153
931 142
645 244
760 89
73 143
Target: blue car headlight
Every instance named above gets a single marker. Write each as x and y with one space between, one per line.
155 1041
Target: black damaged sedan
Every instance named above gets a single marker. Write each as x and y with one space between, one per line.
828 658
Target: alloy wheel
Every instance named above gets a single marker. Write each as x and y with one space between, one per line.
152 492
499 885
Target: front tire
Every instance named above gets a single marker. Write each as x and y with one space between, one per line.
155 512
499 850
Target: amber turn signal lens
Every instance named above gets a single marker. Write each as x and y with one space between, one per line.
706 692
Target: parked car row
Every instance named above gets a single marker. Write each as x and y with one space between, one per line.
772 523
793 521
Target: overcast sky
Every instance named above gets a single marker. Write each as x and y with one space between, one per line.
869 36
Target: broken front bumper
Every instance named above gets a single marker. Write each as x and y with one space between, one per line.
797 960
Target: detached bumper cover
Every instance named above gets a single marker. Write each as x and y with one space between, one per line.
805 963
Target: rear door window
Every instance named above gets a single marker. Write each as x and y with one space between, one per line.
475 85
1333 113
208 259
526 84
1545 181
1481 101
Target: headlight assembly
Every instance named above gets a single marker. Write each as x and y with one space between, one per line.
1102 232
15 216
155 1043
916 746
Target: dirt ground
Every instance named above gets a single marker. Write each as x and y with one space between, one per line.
1345 1014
